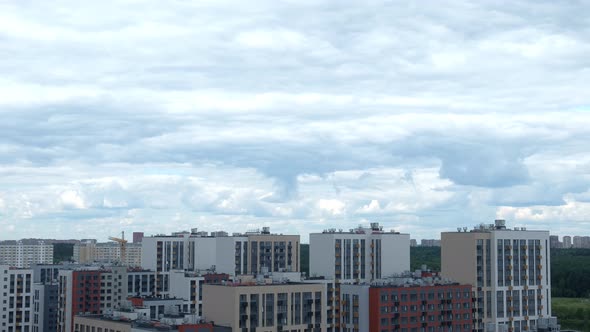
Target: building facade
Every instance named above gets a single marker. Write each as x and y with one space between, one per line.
89 251
446 307
362 254
16 308
266 307
45 307
23 255
79 293
509 271
237 254
567 241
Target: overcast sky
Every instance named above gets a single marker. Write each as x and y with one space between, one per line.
300 115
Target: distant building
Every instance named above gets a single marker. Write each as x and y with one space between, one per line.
567 241
577 242
89 251
430 243
137 237
16 307
554 242
509 271
23 254
413 243
266 307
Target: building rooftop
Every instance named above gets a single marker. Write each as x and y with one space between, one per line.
215 234
374 228
498 225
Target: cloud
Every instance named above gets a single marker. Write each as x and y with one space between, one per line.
296 115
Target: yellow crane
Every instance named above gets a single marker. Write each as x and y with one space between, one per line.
123 244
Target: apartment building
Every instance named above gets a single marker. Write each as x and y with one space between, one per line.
45 306
407 304
89 251
509 270
23 254
430 243
79 292
251 307
359 255
17 297
567 241
237 254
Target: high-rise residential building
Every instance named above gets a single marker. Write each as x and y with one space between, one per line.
554 242
567 241
266 307
356 256
79 292
577 242
238 254
413 243
509 271
361 254
24 254
46 296
45 307
16 307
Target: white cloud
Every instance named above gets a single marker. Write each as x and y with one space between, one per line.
72 199
332 206
300 116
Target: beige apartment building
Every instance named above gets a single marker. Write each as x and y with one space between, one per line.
89 251
509 270
251 307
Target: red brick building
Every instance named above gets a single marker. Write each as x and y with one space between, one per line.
421 308
79 293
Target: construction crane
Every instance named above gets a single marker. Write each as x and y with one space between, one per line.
123 244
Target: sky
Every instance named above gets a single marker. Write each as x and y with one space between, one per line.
424 116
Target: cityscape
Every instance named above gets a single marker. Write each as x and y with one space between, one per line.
492 278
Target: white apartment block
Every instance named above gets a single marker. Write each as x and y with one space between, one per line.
21 255
359 255
238 254
89 251
508 269
16 305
